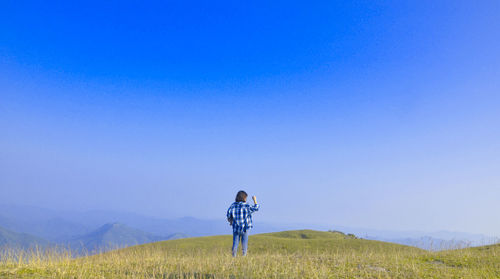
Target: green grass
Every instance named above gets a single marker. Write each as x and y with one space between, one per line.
290 254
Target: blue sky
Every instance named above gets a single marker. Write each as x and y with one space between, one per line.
379 114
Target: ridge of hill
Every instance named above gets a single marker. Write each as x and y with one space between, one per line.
310 234
20 240
285 241
485 247
112 236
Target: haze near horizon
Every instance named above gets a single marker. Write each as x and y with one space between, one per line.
370 114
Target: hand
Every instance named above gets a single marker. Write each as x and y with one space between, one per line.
254 198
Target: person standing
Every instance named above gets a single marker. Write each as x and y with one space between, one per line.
239 216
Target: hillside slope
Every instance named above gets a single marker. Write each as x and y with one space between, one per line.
289 254
286 242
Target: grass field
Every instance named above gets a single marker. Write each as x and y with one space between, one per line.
290 254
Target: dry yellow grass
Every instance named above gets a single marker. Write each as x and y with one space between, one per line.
296 254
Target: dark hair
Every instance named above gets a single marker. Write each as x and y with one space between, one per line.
241 196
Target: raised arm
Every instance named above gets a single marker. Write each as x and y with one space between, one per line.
254 207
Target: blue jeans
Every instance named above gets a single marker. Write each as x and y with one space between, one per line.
237 237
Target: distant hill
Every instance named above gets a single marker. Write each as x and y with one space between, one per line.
61 227
20 240
55 226
112 236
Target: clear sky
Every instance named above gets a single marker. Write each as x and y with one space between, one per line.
378 114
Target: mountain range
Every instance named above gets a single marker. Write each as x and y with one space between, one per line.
91 231
111 236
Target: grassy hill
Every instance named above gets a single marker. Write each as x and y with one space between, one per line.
289 254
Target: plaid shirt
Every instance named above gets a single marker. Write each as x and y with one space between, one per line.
239 215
